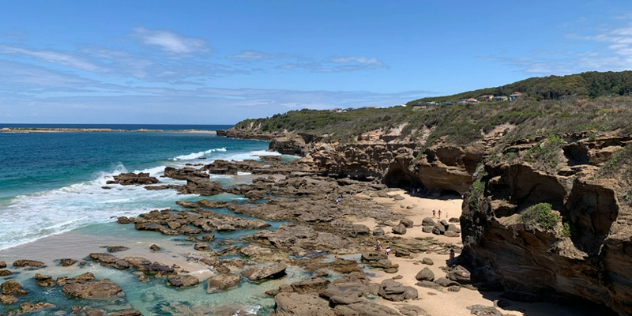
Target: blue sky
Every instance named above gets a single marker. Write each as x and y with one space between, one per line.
213 62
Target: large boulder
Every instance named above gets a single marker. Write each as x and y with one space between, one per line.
408 223
28 263
93 289
294 304
425 275
273 271
3 264
222 282
44 280
133 179
395 291
459 274
427 221
12 287
181 281
399 229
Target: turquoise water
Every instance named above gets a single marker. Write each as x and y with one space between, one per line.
52 182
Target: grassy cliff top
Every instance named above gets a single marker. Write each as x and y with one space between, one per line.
588 102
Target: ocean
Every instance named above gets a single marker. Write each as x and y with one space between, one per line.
52 206
51 182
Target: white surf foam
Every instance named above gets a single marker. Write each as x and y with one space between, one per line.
197 155
27 218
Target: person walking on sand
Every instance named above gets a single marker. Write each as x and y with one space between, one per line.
439 214
388 248
378 246
433 213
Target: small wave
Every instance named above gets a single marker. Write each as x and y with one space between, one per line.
197 155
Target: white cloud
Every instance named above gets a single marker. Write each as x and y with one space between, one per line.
253 55
171 42
53 57
368 62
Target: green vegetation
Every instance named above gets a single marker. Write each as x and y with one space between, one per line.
541 214
568 230
547 153
588 84
619 164
476 191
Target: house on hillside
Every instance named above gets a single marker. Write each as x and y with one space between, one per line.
500 98
485 97
467 101
515 95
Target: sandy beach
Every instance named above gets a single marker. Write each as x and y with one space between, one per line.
445 303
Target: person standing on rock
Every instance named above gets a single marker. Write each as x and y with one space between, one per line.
378 246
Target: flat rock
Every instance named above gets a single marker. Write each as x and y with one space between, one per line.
7 299
66 262
29 307
481 310
273 271
181 281
93 289
364 309
315 285
445 282
222 282
411 310
430 285
253 250
378 231
28 263
293 304
12 287
5 273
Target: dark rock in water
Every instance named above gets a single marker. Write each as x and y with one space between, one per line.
288 304
110 260
116 248
7 299
378 232
185 173
425 275
30 307
253 250
66 262
106 187
221 269
12 287
201 247
143 278
365 308
187 204
222 282
181 281
273 271
134 179
154 247
44 280
208 237
395 291
123 220
3 264
28 263
406 222
5 273
399 229
93 289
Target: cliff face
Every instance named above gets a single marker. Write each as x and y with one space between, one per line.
586 254
591 258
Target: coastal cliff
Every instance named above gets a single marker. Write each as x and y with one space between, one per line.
544 217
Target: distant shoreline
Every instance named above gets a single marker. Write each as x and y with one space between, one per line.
97 130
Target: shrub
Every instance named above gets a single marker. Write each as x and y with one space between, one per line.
478 187
541 214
